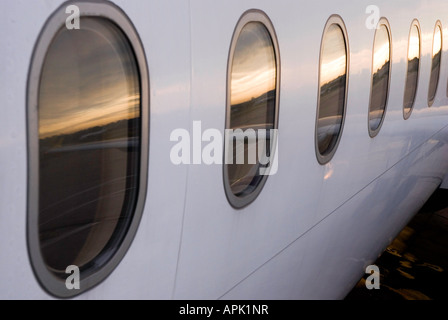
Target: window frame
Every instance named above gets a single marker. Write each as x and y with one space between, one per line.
415 23
105 10
252 15
385 22
332 20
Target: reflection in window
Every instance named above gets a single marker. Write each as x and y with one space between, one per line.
410 88
380 77
252 103
89 136
332 91
436 62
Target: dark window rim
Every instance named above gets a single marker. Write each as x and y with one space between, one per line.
252 15
373 133
414 23
105 10
332 20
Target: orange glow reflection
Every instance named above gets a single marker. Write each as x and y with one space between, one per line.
334 60
414 44
88 79
253 68
382 49
437 47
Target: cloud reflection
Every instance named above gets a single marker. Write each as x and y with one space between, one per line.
381 55
334 59
88 79
437 47
414 44
253 68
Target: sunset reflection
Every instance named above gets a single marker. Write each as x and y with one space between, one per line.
252 87
89 136
90 85
412 70
334 57
380 78
414 44
253 69
435 64
437 47
332 89
381 55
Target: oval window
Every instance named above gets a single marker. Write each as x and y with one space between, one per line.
379 90
435 64
87 133
333 71
412 73
252 107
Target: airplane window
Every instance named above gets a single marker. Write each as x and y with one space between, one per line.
85 201
410 89
89 132
436 62
252 104
380 77
332 89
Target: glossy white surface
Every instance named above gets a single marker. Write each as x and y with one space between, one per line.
313 228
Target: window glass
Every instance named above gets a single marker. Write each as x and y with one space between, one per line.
89 138
435 64
252 103
410 89
332 91
380 78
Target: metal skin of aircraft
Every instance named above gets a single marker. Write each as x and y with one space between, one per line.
312 228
